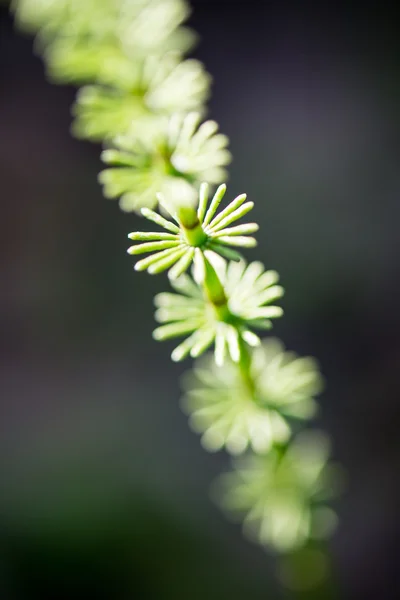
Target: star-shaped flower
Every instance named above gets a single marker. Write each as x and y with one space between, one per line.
142 93
184 154
249 293
192 231
236 410
281 494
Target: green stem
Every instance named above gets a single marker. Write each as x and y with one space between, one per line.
215 290
245 367
191 226
309 574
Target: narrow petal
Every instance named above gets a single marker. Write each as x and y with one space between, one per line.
143 264
186 285
175 329
168 299
156 218
166 262
265 312
164 315
228 210
219 194
238 230
252 273
267 279
225 252
206 339
243 241
118 158
233 216
181 351
212 440
202 202
190 125
152 246
182 265
272 293
250 338
199 267
144 236
180 307
205 131
174 129
235 273
220 347
261 324
232 339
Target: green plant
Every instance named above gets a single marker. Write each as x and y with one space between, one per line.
145 101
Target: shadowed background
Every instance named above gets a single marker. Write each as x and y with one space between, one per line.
103 488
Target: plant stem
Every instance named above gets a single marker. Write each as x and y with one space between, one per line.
245 367
215 292
191 226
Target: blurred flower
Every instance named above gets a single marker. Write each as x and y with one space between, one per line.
146 25
135 26
70 18
236 411
71 59
147 91
248 290
131 48
101 41
176 248
281 494
183 155
33 15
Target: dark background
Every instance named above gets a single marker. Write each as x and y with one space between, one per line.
103 488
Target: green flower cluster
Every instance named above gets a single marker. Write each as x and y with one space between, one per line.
249 293
180 156
255 412
129 55
282 494
144 100
154 87
192 233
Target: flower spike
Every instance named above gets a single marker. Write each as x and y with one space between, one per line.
144 100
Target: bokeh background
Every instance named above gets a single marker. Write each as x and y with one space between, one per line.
103 488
